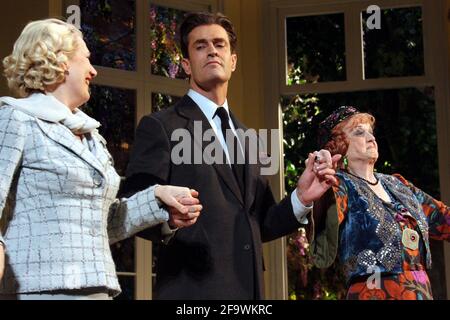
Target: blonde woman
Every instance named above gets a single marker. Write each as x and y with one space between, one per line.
57 183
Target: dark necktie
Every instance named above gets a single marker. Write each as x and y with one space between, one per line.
233 146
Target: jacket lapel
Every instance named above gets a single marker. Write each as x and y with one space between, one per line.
102 154
188 109
63 136
251 170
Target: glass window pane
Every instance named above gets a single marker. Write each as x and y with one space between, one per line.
162 101
127 284
396 49
109 31
115 109
123 255
315 49
164 39
407 141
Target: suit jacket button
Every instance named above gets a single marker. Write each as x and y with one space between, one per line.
247 247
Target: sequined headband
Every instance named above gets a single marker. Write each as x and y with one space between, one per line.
326 126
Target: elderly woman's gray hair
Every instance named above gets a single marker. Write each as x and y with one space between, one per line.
40 55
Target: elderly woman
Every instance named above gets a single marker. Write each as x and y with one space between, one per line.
57 183
383 223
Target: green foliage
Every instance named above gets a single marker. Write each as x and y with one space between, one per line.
397 48
311 58
166 53
162 101
307 282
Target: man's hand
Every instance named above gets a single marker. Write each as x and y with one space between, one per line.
318 176
183 205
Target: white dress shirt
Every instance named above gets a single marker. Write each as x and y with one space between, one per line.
209 108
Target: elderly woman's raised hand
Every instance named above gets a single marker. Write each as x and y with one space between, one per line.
183 205
318 177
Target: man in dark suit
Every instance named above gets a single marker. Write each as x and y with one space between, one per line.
220 256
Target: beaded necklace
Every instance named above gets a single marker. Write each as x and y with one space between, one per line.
369 182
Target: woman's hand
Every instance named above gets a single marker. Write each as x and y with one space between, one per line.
183 205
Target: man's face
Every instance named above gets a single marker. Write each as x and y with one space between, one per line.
210 59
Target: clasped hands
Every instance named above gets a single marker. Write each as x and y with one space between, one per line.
318 177
182 204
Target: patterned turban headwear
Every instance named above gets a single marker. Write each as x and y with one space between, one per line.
326 126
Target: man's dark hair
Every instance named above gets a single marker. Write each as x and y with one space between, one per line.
193 20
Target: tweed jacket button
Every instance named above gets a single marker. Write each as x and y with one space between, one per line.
247 247
98 181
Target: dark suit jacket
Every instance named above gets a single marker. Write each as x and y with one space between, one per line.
220 257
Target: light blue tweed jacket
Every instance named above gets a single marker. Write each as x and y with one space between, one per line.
60 212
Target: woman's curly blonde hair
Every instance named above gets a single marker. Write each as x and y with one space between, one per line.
40 56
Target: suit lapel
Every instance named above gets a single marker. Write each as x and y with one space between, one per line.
63 136
188 109
251 170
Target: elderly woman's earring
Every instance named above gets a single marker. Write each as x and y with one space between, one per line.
345 162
